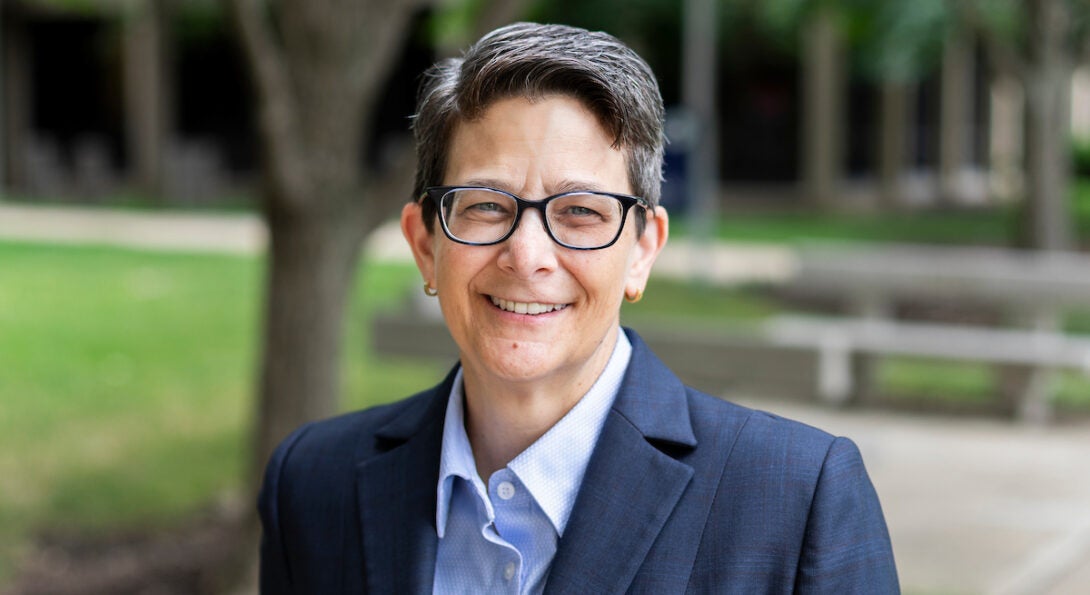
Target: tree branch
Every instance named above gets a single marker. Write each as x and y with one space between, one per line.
1002 56
277 116
496 13
380 48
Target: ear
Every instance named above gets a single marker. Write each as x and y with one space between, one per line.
421 241
647 250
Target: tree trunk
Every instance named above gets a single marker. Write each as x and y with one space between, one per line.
311 264
892 142
318 67
955 117
1006 146
1047 222
822 119
145 73
698 95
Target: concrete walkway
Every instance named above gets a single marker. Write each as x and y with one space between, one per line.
974 506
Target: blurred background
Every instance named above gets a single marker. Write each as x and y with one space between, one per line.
880 210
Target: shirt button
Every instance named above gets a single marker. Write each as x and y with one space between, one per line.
506 490
509 570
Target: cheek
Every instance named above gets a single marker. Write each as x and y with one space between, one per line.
456 264
602 277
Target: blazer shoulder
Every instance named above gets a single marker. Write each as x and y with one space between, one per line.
759 429
794 500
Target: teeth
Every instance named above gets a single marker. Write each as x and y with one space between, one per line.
532 308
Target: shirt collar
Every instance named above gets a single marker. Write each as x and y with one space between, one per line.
456 459
552 468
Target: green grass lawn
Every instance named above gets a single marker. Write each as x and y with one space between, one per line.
126 381
992 226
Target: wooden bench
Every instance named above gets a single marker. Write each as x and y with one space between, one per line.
1029 291
839 342
721 362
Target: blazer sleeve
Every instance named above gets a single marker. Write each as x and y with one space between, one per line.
846 548
274 575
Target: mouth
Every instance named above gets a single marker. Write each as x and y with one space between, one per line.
530 308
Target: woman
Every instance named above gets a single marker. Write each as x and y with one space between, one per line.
560 455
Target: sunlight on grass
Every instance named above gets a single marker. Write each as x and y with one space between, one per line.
127 379
124 376
937 380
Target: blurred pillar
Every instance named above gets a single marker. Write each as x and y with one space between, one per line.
1048 126
17 101
1005 144
700 79
146 92
823 102
1080 102
955 117
893 131
3 102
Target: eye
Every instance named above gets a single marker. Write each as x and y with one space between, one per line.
581 211
480 205
485 207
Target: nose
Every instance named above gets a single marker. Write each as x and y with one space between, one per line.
529 250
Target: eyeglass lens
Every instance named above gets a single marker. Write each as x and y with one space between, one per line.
582 220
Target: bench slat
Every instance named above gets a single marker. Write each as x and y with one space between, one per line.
884 337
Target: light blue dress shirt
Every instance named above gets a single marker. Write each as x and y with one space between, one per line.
502 539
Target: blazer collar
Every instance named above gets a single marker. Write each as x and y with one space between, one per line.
652 398
632 484
396 496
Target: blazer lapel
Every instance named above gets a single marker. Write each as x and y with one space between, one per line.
396 497
631 486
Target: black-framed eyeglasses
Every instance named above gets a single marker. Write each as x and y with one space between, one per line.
580 220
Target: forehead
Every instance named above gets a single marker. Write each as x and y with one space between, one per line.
535 143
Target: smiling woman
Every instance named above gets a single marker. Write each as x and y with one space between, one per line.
523 371
559 454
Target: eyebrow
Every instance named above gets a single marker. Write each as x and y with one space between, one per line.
559 188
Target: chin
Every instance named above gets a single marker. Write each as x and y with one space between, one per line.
518 361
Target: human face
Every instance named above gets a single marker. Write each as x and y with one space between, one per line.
535 149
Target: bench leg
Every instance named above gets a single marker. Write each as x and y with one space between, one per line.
835 375
1028 393
1036 406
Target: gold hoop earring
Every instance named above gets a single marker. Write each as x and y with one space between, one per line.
632 299
429 290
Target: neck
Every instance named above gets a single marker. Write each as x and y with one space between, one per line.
503 418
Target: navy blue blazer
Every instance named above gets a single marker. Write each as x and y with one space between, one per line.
683 493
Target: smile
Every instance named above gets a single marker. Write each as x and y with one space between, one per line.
532 308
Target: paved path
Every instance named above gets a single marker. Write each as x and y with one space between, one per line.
973 506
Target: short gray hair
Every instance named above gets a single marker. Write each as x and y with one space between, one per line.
533 60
